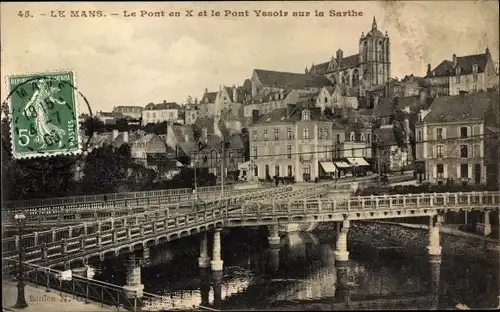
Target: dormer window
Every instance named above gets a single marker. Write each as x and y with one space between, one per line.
351 136
306 115
458 70
474 68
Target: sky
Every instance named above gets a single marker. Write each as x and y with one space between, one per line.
122 60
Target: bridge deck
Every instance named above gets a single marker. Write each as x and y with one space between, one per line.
125 233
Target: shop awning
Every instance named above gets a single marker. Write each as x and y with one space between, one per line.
358 161
341 164
328 166
244 165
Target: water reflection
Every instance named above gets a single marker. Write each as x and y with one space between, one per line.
302 274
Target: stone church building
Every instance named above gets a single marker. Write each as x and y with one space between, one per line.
366 71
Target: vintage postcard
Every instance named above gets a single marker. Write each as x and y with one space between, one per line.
250 155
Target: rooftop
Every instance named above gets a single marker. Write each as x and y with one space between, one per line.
290 80
466 107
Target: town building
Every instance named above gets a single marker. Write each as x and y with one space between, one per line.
366 70
269 100
132 112
455 140
191 113
470 73
156 113
207 103
338 96
181 139
210 154
411 85
108 118
264 81
294 141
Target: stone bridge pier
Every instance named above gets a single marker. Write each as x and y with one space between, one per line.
133 286
341 253
342 288
434 246
273 258
435 268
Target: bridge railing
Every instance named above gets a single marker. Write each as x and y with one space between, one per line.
371 203
83 289
89 199
95 233
107 235
121 204
152 205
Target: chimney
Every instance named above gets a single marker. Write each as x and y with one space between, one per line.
235 95
206 90
125 136
487 51
454 60
255 115
115 134
407 129
289 109
429 69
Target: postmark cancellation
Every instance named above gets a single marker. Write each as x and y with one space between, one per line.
43 114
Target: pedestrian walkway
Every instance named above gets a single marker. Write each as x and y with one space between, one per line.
41 301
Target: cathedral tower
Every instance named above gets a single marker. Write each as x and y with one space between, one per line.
374 57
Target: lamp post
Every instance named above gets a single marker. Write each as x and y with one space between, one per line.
20 218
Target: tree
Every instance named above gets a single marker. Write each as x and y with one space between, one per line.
106 168
92 125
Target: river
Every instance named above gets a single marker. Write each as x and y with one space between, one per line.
302 273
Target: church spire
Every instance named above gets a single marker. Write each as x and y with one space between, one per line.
374 24
306 70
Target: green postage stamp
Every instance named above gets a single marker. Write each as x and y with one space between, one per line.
44 114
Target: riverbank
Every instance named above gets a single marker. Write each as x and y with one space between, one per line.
412 239
41 301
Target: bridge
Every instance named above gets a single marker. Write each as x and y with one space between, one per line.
70 214
47 213
131 234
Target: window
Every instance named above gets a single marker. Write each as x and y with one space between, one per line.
439 151
326 133
464 151
338 138
289 152
463 132
440 171
457 79
351 136
307 170
474 78
474 88
276 134
306 115
256 171
265 135
326 151
474 68
277 170
289 170
254 134
320 133
439 133
289 133
254 152
305 133
464 171
368 138
419 135
477 150
326 99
